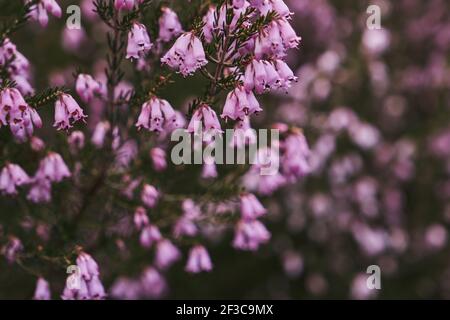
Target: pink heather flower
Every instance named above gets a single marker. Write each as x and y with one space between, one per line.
96 289
288 35
149 196
243 133
39 12
208 21
7 51
149 235
98 137
184 227
67 111
15 112
198 260
126 4
158 157
42 291
166 254
126 153
294 161
155 114
250 234
169 25
76 141
140 218
266 184
251 208
209 170
190 209
40 191
53 168
239 104
138 41
88 284
37 144
153 283
261 76
281 8
285 73
11 176
276 39
204 118
12 248
88 266
87 87
186 55
126 289
72 40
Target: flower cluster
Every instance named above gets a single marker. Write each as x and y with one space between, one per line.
15 112
84 283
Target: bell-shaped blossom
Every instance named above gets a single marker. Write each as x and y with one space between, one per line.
42 291
209 169
12 248
140 218
88 266
153 284
67 111
264 176
149 196
239 104
261 76
250 234
39 11
243 133
275 40
15 112
53 168
208 27
169 25
285 73
186 55
87 87
166 254
76 141
40 191
126 4
84 284
204 118
185 225
198 260
155 114
149 235
99 134
37 144
11 176
138 41
294 160
158 157
251 208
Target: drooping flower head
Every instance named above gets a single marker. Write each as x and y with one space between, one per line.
138 41
87 87
239 104
198 260
155 114
15 112
67 112
169 25
186 55
204 118
12 175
